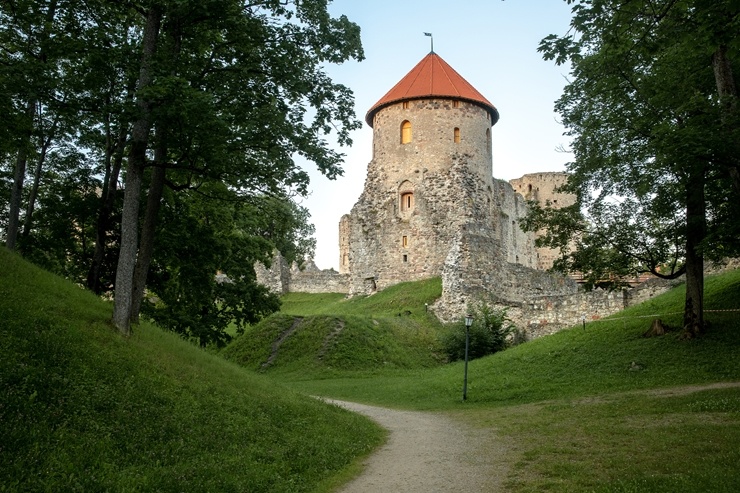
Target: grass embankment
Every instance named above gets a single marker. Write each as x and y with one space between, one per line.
600 409
327 334
83 409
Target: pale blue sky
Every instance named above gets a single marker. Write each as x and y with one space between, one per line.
492 44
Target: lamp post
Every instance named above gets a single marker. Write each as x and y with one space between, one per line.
468 323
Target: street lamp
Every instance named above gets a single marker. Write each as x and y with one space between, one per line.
468 323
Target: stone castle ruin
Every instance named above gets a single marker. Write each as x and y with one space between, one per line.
431 207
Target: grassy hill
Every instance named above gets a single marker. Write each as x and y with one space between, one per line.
599 409
328 333
83 409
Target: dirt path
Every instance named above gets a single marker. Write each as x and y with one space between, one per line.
429 453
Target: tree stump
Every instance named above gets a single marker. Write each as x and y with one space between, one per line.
656 329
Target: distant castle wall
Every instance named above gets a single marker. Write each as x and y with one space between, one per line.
280 278
542 188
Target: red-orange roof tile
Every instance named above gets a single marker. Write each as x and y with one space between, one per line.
432 77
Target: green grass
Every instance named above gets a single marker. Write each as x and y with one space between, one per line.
327 334
83 409
582 410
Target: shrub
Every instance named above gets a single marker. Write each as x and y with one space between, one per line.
489 333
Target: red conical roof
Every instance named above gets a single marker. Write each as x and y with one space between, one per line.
432 77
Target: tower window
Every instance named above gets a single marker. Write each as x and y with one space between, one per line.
405 132
405 258
405 241
456 104
457 135
407 201
405 105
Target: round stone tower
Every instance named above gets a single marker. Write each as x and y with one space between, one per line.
430 178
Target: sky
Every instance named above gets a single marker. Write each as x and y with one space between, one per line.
492 44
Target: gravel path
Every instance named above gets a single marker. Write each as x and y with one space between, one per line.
428 453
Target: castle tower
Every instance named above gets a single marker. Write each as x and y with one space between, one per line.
430 178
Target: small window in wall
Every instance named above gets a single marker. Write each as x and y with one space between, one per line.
405 258
456 104
405 241
488 137
407 201
457 135
405 132
405 105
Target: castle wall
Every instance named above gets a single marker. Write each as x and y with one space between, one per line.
280 278
541 188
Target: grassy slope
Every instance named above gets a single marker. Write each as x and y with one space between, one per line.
332 335
600 409
572 363
82 409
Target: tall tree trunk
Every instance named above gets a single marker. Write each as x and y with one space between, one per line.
45 144
696 226
727 91
146 248
114 160
154 197
19 176
134 171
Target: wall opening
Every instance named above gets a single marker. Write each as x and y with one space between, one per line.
407 201
405 241
405 258
405 105
457 135
405 132
456 104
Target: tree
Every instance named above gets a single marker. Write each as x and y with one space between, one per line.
652 110
228 85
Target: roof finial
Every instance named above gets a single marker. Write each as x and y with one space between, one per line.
432 40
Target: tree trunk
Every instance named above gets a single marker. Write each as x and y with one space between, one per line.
28 220
107 202
146 248
154 197
693 319
19 177
727 91
134 170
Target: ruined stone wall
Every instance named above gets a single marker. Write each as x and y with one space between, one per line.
314 280
281 278
344 231
510 207
276 277
541 187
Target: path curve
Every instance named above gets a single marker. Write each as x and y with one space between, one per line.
429 453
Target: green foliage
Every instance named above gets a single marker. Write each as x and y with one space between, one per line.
654 127
234 93
83 409
489 333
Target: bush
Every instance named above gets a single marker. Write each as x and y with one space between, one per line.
489 333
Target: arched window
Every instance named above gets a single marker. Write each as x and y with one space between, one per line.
405 132
457 135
